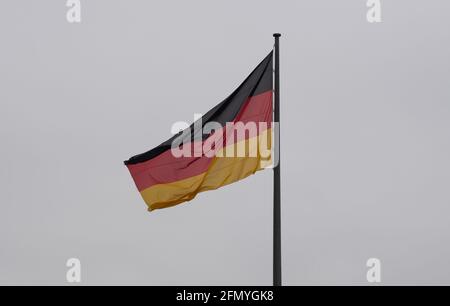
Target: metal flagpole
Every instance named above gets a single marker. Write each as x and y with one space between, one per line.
276 173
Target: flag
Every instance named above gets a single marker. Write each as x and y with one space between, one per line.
227 144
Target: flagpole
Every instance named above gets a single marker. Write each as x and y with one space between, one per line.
276 173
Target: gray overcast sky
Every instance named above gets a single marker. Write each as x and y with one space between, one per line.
365 132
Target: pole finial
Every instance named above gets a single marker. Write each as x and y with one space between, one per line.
276 35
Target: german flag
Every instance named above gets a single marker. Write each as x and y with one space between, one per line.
227 144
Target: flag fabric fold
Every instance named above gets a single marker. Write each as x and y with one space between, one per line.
212 157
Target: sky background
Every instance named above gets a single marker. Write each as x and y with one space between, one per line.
365 141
